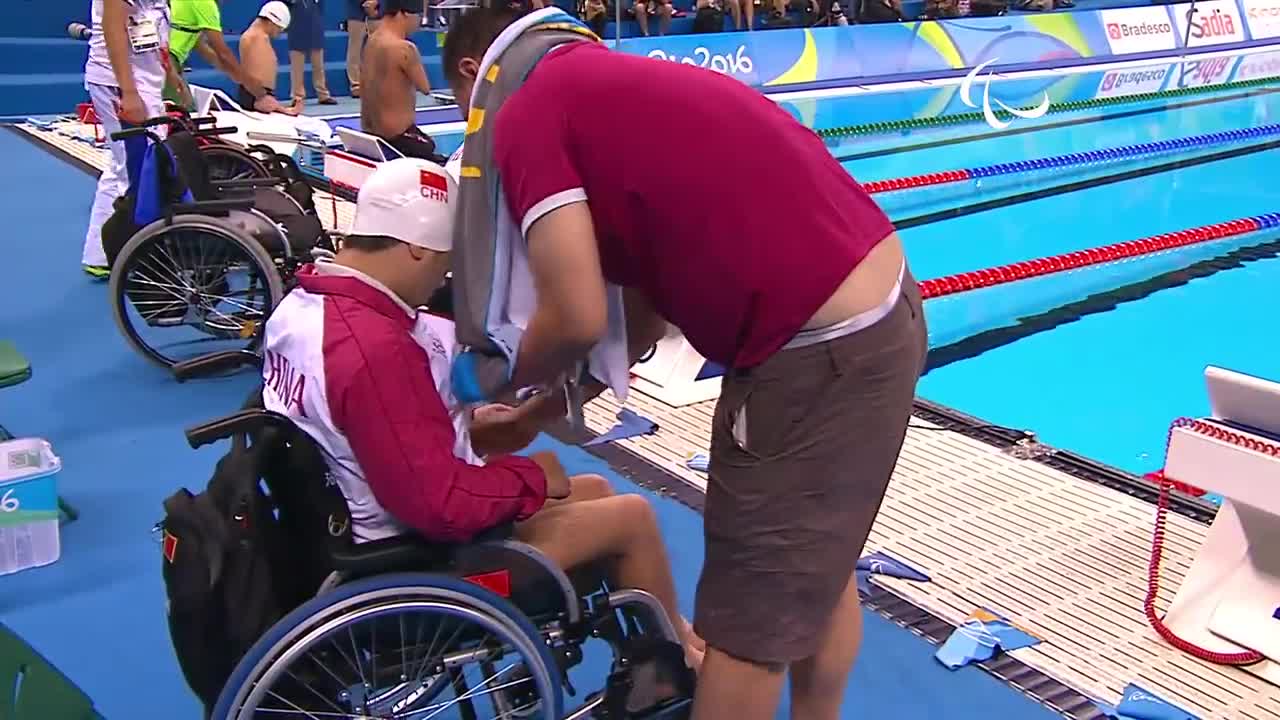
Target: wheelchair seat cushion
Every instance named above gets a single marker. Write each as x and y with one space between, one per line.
14 368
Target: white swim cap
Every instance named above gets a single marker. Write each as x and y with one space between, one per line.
454 164
277 12
410 200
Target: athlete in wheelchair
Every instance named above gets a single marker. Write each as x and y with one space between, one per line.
459 585
197 262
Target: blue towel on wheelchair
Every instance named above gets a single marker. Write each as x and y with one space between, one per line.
153 183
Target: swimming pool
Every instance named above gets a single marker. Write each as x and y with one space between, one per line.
1098 360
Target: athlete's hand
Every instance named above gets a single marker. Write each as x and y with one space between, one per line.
557 478
293 110
131 110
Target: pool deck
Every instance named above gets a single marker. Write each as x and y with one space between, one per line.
1063 556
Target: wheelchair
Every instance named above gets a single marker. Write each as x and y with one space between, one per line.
225 160
405 628
198 263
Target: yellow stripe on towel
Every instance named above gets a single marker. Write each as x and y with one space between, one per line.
470 171
492 75
475 120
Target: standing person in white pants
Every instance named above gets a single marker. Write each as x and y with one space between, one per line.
125 76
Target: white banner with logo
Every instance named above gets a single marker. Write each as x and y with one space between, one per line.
1133 81
1258 66
1212 22
1199 73
1138 30
1263 18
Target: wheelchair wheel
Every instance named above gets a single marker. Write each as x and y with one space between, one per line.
397 646
226 162
192 287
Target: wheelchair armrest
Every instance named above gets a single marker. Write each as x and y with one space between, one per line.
209 132
248 183
242 422
403 552
212 207
201 121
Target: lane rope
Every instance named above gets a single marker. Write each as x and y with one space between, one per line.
1013 272
1069 106
1124 152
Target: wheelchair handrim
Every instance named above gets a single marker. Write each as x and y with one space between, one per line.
371 604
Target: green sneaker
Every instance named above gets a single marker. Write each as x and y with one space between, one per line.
97 272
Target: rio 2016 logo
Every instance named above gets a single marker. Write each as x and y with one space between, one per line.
730 63
988 114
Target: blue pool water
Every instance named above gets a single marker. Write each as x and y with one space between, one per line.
1105 383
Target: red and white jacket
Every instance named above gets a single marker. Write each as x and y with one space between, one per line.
367 377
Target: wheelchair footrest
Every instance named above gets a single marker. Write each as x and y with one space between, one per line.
654 683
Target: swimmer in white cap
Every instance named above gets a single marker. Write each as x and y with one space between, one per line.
353 361
258 57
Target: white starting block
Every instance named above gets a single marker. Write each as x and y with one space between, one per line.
1229 601
675 373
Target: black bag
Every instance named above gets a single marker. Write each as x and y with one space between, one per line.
708 20
223 571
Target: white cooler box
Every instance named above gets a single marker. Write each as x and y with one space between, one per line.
28 505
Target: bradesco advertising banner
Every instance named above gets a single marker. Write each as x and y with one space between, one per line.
1263 18
1211 22
1257 66
780 58
1138 30
1133 81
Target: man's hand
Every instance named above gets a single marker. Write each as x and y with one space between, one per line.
557 479
501 429
268 104
131 108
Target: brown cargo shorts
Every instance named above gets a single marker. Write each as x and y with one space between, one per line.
788 511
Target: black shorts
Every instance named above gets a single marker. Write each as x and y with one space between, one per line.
416 144
246 98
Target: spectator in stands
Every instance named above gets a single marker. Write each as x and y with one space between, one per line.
197 25
809 303
258 55
393 77
362 21
125 76
306 44
595 14
736 8
662 8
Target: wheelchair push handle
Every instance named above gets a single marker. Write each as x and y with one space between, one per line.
244 422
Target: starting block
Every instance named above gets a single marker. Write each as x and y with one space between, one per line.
676 374
1229 601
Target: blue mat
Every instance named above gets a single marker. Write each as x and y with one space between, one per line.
98 614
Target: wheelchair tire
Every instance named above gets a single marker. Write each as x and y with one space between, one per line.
226 162
320 616
154 233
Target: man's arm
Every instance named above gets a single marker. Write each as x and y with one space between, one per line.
572 313
411 61
115 31
403 438
227 62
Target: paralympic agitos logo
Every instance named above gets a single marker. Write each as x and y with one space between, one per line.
988 114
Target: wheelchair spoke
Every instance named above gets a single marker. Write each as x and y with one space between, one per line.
468 695
314 691
359 665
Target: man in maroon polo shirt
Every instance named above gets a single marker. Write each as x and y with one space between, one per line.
807 301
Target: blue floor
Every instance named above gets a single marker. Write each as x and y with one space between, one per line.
98 614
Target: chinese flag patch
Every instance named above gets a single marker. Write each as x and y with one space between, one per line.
170 545
434 186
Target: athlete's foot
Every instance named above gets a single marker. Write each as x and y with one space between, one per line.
97 272
328 101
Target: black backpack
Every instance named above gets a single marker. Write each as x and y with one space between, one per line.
708 20
236 559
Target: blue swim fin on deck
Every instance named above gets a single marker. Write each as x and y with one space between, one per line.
981 636
629 425
1140 704
879 563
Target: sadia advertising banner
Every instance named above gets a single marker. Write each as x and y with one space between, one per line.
1212 22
